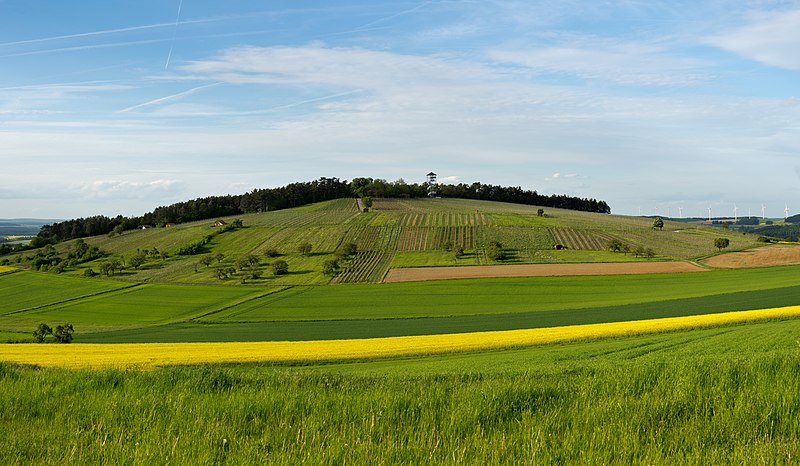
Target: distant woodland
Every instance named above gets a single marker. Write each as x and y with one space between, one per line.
299 194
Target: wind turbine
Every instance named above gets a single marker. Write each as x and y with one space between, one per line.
735 211
680 212
709 213
786 211
763 208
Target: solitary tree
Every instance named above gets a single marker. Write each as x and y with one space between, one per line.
330 267
658 223
540 212
349 249
63 333
615 245
495 251
304 248
280 267
42 331
137 260
721 243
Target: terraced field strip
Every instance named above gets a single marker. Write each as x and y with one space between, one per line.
26 290
150 355
537 270
366 267
580 239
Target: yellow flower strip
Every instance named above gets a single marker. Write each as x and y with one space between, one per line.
149 355
5 268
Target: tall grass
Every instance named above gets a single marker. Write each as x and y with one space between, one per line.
691 411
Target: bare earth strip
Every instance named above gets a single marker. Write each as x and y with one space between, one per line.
537 270
759 257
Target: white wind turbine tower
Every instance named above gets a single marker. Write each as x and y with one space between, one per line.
786 211
680 212
735 212
763 209
709 213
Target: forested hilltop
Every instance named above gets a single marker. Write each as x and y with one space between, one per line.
302 193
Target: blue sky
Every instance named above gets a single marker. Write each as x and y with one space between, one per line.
654 106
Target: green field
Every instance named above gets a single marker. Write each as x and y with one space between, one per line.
111 311
726 395
717 396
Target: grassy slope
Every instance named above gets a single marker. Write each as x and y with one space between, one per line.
401 233
719 396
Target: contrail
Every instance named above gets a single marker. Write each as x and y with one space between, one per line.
174 33
169 97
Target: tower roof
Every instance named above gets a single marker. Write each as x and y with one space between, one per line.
431 174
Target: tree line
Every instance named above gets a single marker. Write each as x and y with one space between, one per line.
299 194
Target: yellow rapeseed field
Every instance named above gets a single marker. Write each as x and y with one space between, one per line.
149 355
5 268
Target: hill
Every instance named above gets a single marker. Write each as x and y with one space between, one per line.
394 233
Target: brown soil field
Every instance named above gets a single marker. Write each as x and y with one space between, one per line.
758 257
537 270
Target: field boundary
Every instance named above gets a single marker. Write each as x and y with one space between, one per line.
538 270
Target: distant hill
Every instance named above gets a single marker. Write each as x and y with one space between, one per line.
393 233
305 193
22 226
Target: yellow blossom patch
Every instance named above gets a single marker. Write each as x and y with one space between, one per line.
149 355
5 268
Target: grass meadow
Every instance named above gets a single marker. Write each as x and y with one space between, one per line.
728 395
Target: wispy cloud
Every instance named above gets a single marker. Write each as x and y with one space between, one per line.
772 38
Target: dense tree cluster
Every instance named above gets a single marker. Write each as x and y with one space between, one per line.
298 194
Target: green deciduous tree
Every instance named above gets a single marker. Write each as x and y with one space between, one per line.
280 267
330 267
495 251
658 223
721 243
304 248
63 333
41 332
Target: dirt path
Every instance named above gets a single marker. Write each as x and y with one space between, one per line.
759 257
537 270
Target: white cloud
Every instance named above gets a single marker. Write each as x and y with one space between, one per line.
772 38
130 189
596 58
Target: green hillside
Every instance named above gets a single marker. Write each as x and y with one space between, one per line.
394 233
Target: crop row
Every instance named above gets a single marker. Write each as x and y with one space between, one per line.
366 267
580 239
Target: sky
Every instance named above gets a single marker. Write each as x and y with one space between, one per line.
657 107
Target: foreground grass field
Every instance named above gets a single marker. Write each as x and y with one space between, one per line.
719 396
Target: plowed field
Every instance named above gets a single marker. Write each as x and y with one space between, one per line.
537 270
759 257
